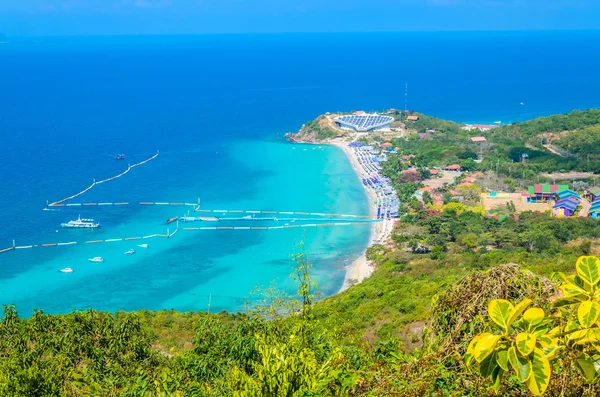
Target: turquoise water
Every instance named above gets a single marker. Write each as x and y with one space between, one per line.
216 107
181 272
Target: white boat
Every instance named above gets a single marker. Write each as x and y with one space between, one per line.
209 218
143 245
66 270
81 223
97 259
130 252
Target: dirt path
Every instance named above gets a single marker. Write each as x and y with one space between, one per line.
585 208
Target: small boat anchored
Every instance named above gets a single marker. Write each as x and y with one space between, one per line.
170 220
143 245
66 270
81 223
97 259
130 252
208 218
120 157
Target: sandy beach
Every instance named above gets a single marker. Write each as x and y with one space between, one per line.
361 268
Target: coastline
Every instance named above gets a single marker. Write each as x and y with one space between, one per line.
361 268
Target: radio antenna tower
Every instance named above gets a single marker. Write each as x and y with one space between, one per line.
406 97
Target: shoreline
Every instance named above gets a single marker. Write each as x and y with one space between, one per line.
361 268
380 232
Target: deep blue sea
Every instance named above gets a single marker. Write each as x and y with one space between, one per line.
216 107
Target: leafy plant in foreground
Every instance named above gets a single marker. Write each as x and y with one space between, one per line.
528 340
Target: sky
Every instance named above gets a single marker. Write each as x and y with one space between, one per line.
114 17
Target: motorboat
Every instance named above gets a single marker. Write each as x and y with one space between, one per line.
143 245
120 157
170 220
130 252
208 218
81 223
97 259
188 219
66 270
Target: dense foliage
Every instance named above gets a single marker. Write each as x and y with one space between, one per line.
526 340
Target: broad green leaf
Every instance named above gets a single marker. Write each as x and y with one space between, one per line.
573 286
497 378
588 313
521 365
525 343
500 311
518 309
485 346
585 366
588 269
488 366
502 359
480 347
534 316
552 350
540 373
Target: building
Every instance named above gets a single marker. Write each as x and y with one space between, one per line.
594 210
477 139
453 167
566 206
412 118
364 122
543 193
592 193
480 127
563 194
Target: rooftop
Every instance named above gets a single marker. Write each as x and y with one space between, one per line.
365 122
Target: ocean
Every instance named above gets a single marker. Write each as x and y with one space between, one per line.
216 107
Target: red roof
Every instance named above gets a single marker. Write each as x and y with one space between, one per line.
452 167
434 172
466 184
478 139
412 118
387 144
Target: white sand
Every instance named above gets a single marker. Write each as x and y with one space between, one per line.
361 268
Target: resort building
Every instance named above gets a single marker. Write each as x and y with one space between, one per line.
543 193
568 194
364 122
566 206
592 193
594 210
453 167
480 127
477 139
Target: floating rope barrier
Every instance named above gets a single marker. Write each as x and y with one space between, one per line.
129 168
168 235
273 227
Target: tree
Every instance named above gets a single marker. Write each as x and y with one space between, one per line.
468 164
427 199
537 238
525 341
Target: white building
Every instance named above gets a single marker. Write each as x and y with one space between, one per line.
365 122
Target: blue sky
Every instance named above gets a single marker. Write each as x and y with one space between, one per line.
107 17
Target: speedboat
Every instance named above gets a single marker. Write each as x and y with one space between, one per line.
143 245
66 270
97 259
172 219
130 252
120 157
